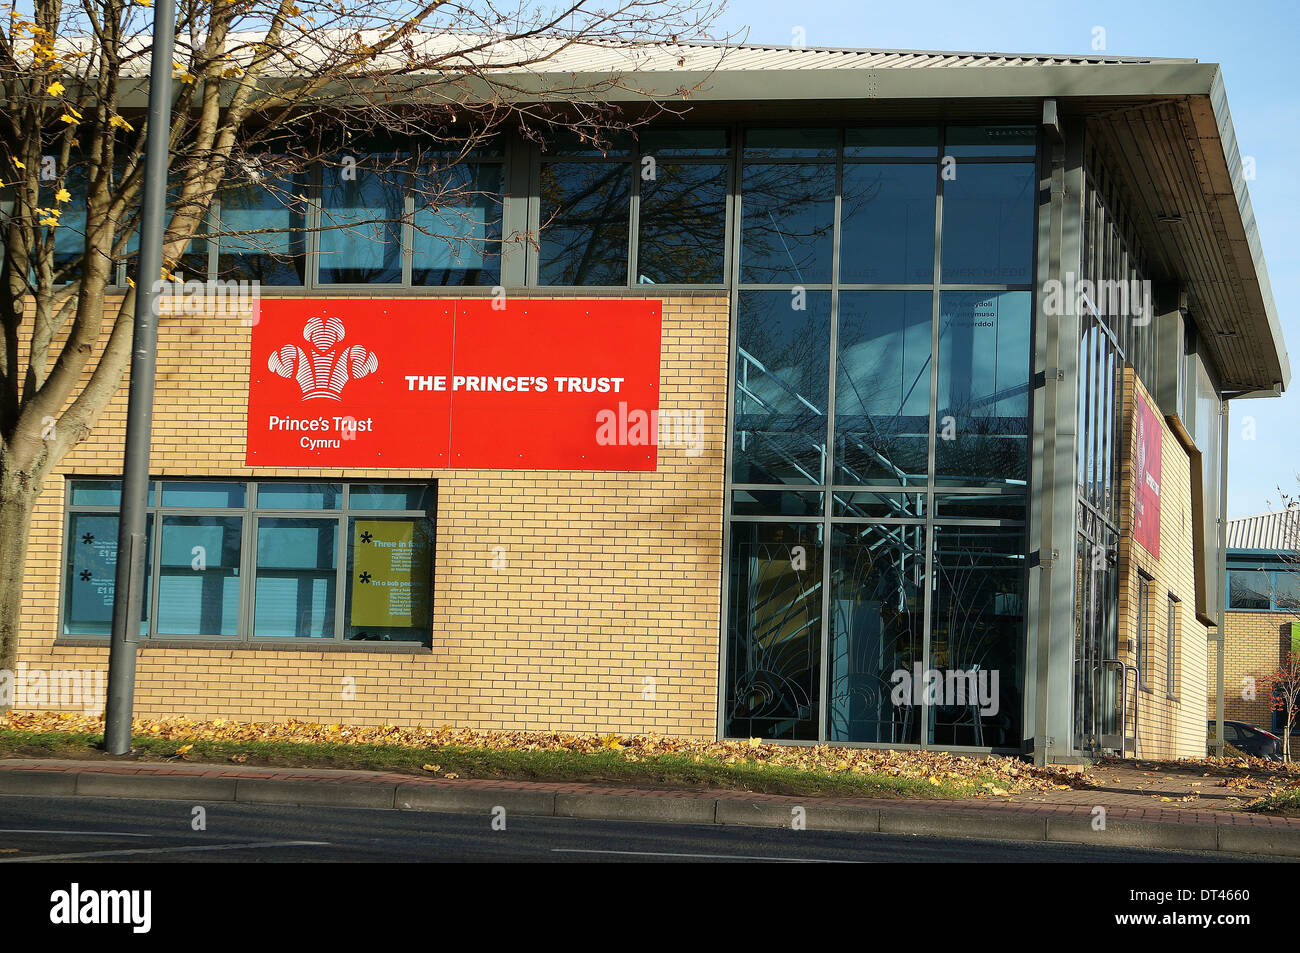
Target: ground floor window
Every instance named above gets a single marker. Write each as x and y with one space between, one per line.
894 633
259 561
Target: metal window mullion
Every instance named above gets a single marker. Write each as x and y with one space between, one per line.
731 274
406 235
828 457
341 552
930 542
634 220
154 594
312 218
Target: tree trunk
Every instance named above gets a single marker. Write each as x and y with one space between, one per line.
17 499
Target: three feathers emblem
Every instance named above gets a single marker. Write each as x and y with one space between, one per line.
323 369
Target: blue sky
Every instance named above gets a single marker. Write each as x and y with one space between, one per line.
1254 45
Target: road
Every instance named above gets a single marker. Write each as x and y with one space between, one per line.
129 830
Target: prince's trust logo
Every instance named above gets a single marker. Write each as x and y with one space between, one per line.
323 370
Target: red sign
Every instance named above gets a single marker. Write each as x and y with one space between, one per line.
1149 436
481 384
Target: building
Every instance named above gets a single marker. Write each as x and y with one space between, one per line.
595 483
1263 608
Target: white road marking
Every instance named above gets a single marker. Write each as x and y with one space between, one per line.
656 853
74 833
165 850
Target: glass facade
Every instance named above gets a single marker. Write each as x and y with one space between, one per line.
260 561
880 433
1115 329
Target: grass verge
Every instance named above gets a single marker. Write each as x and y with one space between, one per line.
664 770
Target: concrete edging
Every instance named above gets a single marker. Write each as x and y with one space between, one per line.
412 796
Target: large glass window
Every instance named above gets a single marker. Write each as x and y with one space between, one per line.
90 573
782 379
585 223
877 628
774 631
262 219
324 561
360 223
988 223
457 225
928 370
787 223
887 223
198 582
681 231
882 387
983 409
977 635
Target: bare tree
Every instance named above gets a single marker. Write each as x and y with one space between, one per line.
264 89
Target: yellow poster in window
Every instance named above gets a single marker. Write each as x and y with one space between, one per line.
390 573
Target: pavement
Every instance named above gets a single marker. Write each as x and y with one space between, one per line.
1118 815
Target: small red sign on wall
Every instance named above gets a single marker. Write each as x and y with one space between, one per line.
1148 440
480 384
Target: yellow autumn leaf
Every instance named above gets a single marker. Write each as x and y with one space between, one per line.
432 767
21 165
183 749
63 195
120 123
55 88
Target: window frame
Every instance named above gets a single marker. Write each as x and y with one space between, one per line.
1173 629
250 513
1142 632
1265 565
632 161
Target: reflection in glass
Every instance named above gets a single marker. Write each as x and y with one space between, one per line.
457 233
296 578
782 383
882 387
983 413
682 224
585 216
1249 589
887 223
776 502
262 217
977 635
791 143
988 224
774 631
299 496
876 632
787 223
390 496
361 234
198 577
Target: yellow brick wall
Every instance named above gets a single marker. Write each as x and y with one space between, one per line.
1166 727
1254 645
610 580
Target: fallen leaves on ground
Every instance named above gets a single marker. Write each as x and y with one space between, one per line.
1009 775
